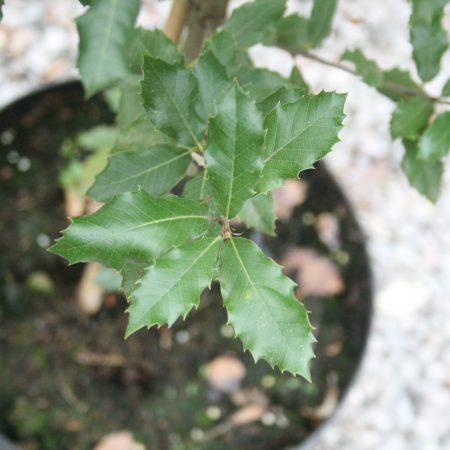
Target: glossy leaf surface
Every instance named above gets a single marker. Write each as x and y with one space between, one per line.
299 134
259 213
173 285
170 94
156 170
133 226
213 82
262 308
137 132
106 30
152 43
234 151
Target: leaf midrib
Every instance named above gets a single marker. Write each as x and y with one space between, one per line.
167 219
106 37
260 295
278 150
172 100
196 260
149 170
233 161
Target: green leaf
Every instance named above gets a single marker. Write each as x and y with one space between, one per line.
299 134
130 106
282 96
263 309
260 83
138 133
2 3
435 142
320 22
132 272
136 128
398 83
394 83
199 187
79 176
425 176
98 138
109 279
156 170
152 43
224 47
428 38
446 89
234 151
259 213
112 98
170 94
132 227
411 117
173 285
365 67
255 21
298 81
105 30
292 33
212 81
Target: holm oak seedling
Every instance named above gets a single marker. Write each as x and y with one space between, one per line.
233 133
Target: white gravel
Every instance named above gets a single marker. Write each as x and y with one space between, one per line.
401 399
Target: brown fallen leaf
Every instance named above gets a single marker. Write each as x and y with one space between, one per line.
57 69
244 416
248 414
90 293
114 361
329 403
327 227
122 440
334 349
225 373
317 275
249 396
288 197
74 203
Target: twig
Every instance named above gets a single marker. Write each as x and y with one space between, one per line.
113 361
176 20
204 17
402 90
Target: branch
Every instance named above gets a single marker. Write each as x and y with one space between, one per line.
176 20
402 90
205 16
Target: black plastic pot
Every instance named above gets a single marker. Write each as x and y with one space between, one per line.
30 194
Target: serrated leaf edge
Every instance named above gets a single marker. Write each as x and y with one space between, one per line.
256 357
170 322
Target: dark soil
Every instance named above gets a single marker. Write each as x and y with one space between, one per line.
66 379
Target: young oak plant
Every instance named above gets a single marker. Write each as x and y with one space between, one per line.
242 145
